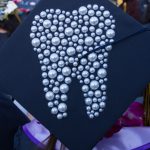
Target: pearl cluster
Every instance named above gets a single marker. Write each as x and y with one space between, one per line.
65 43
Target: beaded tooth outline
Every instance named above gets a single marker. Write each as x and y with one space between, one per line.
61 40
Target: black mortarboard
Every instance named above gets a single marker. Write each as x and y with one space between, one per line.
59 66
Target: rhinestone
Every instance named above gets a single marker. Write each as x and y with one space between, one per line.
88 101
82 10
49 96
110 33
89 41
35 42
64 88
94 85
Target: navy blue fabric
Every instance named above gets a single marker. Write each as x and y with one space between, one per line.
10 119
128 73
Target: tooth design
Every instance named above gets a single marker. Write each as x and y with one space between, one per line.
65 43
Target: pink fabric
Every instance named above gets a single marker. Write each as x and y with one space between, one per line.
132 117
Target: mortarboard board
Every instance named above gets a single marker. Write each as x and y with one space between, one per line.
76 66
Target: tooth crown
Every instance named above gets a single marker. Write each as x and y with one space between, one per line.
65 43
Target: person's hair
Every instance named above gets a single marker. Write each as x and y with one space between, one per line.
51 143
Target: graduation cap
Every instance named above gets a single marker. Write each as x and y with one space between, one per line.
76 66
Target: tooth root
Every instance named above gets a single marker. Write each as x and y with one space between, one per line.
93 80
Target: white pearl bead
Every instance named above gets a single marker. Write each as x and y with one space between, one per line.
93 21
110 33
95 106
88 101
71 51
102 73
54 110
47 23
89 41
69 31
82 10
66 71
49 96
55 41
62 107
64 88
52 74
35 42
94 85
54 57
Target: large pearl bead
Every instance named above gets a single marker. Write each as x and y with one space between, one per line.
35 42
95 106
93 21
55 41
89 41
71 51
82 10
102 73
69 31
54 57
92 57
94 85
66 71
88 101
52 74
49 95
54 110
85 88
64 88
62 107
110 33
47 23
